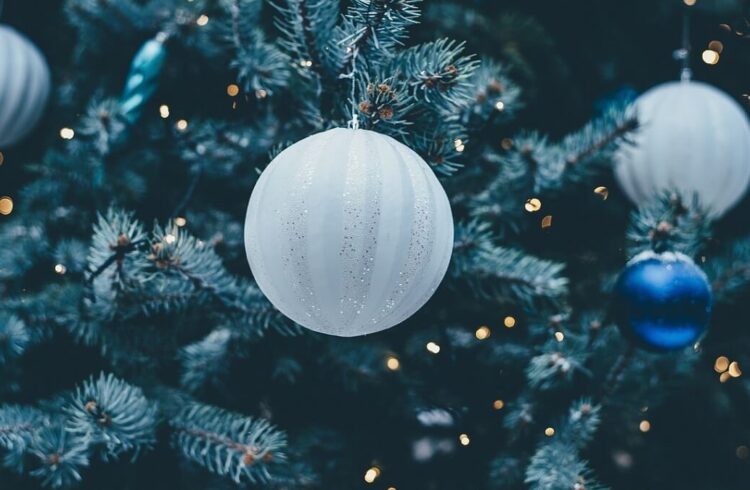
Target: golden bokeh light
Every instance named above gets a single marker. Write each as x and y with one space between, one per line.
482 332
6 205
533 205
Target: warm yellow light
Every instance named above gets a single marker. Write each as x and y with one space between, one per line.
392 363
644 426
689 3
547 221
549 432
509 322
261 94
305 63
482 332
60 269
180 221
734 370
391 488
721 364
559 336
170 238
67 133
372 474
182 125
164 111
500 105
432 347
2 158
710 57
724 377
533 205
6 205
459 145
464 439
602 192
717 46
506 143
233 90
498 404
202 20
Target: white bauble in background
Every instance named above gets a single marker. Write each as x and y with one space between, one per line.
348 232
694 139
24 86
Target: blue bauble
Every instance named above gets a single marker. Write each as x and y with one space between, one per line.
662 301
143 78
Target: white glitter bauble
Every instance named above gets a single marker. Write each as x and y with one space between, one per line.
24 86
348 232
693 139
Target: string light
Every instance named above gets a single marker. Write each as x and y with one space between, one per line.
506 143
549 432
533 205
559 336
170 239
232 90
60 269
724 377
261 94
721 364
602 192
67 133
689 3
509 322
498 404
164 111
432 347
464 439
734 370
2 158
182 125
742 452
391 488
459 145
305 63
717 46
372 474
6 205
644 426
482 332
180 221
202 20
710 57
547 221
500 105
393 363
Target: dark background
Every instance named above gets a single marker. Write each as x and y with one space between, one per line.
574 54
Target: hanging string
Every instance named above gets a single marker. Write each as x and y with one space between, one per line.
683 54
354 121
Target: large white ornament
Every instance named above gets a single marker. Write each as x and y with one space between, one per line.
348 232
24 86
693 139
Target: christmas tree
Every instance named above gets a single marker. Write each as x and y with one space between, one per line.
137 350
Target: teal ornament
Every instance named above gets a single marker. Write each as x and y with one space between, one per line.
662 302
143 78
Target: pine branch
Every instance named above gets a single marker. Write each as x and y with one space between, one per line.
111 414
228 444
669 224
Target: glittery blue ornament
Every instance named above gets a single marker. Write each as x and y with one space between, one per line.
143 78
662 301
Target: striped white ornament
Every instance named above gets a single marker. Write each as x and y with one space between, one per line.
348 232
693 139
24 86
